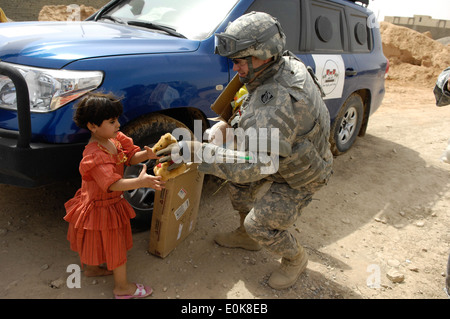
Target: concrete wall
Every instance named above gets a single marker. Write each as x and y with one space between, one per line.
438 28
28 10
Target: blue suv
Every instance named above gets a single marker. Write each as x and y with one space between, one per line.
159 56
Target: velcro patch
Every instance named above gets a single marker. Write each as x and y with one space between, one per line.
266 97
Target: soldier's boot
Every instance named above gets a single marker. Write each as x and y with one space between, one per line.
289 271
238 238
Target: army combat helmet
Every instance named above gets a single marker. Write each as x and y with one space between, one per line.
255 34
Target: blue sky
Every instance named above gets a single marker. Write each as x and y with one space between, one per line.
438 9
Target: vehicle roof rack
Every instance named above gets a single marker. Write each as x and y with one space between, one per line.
364 2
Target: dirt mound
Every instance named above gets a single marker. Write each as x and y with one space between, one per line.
65 13
413 56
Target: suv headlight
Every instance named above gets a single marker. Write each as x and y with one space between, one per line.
49 89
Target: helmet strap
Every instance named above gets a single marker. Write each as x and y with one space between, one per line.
252 71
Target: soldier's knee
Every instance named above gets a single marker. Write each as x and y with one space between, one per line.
251 227
256 231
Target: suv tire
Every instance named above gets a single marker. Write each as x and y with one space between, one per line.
347 125
146 131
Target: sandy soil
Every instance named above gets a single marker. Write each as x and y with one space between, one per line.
379 230
384 212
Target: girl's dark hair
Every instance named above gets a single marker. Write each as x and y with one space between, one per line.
95 108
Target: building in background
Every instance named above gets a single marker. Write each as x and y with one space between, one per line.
421 23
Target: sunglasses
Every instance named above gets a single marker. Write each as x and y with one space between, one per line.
240 61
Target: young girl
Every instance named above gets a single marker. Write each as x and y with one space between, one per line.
98 215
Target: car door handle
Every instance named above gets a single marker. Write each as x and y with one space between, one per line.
350 72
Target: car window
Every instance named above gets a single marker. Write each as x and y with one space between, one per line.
195 19
327 25
287 13
359 35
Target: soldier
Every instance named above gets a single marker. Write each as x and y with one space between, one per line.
442 95
442 88
284 97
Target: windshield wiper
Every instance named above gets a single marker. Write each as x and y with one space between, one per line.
155 26
115 19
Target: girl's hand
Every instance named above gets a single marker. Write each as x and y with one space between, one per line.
150 181
143 180
150 153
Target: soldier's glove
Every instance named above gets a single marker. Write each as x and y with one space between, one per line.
184 151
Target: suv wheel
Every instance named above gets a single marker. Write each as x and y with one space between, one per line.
347 125
146 131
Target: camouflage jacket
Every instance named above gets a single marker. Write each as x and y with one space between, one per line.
441 92
287 127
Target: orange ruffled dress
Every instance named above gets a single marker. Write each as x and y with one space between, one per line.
99 220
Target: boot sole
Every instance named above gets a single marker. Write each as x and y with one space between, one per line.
237 246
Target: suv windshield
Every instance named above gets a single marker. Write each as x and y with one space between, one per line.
194 19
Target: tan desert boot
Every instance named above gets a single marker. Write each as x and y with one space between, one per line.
238 238
289 271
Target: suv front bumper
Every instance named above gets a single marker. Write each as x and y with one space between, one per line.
39 164
27 164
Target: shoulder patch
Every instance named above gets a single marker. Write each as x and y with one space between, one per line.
266 97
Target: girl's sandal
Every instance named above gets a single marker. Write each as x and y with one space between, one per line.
141 292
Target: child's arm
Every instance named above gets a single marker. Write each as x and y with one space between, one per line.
143 180
143 155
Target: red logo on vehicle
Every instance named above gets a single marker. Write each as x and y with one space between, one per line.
330 76
331 72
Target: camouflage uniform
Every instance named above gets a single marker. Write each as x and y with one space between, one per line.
442 96
441 93
273 213
283 97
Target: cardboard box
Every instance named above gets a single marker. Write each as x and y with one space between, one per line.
221 105
175 210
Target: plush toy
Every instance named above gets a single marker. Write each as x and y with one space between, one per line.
163 142
161 168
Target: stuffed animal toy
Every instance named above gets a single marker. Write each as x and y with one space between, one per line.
161 168
163 142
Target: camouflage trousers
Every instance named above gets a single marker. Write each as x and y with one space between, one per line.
272 208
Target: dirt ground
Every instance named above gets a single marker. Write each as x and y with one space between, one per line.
383 218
